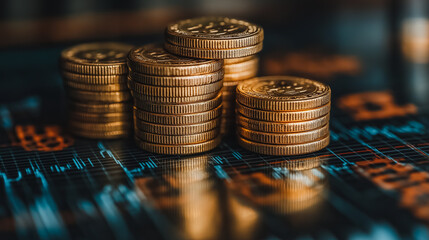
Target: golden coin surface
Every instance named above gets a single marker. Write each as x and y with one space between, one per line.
213 53
176 119
101 134
300 164
236 60
100 117
241 76
94 79
179 108
214 33
152 59
175 91
284 150
184 149
100 127
100 107
242 66
283 93
177 81
174 100
230 86
104 58
281 127
88 96
283 116
176 140
283 138
177 129
97 87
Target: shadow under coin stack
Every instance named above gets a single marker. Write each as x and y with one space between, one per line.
177 101
235 41
281 115
95 78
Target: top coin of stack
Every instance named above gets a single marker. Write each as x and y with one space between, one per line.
214 38
177 101
94 75
281 115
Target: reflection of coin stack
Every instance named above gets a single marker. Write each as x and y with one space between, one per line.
95 79
236 70
281 115
177 101
233 40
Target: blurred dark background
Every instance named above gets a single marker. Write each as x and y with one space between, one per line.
356 45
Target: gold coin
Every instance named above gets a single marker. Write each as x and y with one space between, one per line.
100 135
230 86
177 81
281 127
188 108
184 149
237 60
283 93
97 87
100 117
283 116
107 58
176 140
174 100
284 138
242 66
284 150
152 59
94 79
214 33
213 53
87 96
101 107
101 127
240 76
178 119
177 129
175 91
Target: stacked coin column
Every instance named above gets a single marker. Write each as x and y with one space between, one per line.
235 41
236 70
95 78
177 101
281 115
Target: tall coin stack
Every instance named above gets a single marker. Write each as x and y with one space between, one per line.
95 78
281 115
177 101
235 41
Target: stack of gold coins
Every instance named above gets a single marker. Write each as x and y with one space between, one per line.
235 41
282 115
177 101
95 78
236 70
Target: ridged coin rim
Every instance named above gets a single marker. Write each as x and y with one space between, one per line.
213 53
284 150
177 81
283 116
176 139
177 129
281 127
178 119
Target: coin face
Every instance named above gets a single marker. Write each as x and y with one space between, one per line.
213 27
97 53
283 93
153 59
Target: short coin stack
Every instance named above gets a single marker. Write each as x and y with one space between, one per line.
236 70
95 78
177 101
281 115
